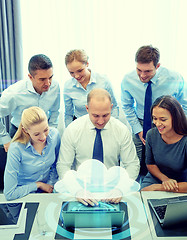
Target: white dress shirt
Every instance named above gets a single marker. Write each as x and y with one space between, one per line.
78 141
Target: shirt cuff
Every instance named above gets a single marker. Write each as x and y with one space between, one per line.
137 128
5 139
33 187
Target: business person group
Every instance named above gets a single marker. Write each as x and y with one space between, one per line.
153 98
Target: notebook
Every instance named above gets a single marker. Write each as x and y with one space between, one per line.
105 215
169 211
11 214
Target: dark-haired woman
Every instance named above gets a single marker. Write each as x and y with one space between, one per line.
166 148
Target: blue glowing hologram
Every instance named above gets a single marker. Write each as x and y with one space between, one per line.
93 176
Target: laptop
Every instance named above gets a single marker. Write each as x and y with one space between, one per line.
105 215
169 211
11 214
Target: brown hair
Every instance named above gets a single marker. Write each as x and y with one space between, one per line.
147 54
179 120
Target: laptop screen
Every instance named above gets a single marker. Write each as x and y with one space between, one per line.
105 215
102 206
175 210
10 214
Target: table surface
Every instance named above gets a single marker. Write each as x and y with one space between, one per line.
47 216
48 212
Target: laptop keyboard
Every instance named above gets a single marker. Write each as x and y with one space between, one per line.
161 210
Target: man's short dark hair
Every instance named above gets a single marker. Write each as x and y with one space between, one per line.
147 54
39 62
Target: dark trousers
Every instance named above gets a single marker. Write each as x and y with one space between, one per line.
140 149
3 157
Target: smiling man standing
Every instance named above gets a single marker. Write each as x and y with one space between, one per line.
141 87
39 90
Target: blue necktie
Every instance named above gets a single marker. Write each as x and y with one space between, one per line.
147 121
98 146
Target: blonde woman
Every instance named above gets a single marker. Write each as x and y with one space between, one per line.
32 156
82 82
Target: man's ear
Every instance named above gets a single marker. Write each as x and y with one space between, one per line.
30 76
158 65
86 108
111 106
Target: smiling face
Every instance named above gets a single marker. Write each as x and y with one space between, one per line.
38 132
162 120
99 111
146 71
79 71
41 80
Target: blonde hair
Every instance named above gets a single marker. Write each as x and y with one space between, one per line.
30 116
76 54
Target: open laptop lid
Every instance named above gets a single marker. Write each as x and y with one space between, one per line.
102 206
11 214
105 215
176 210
